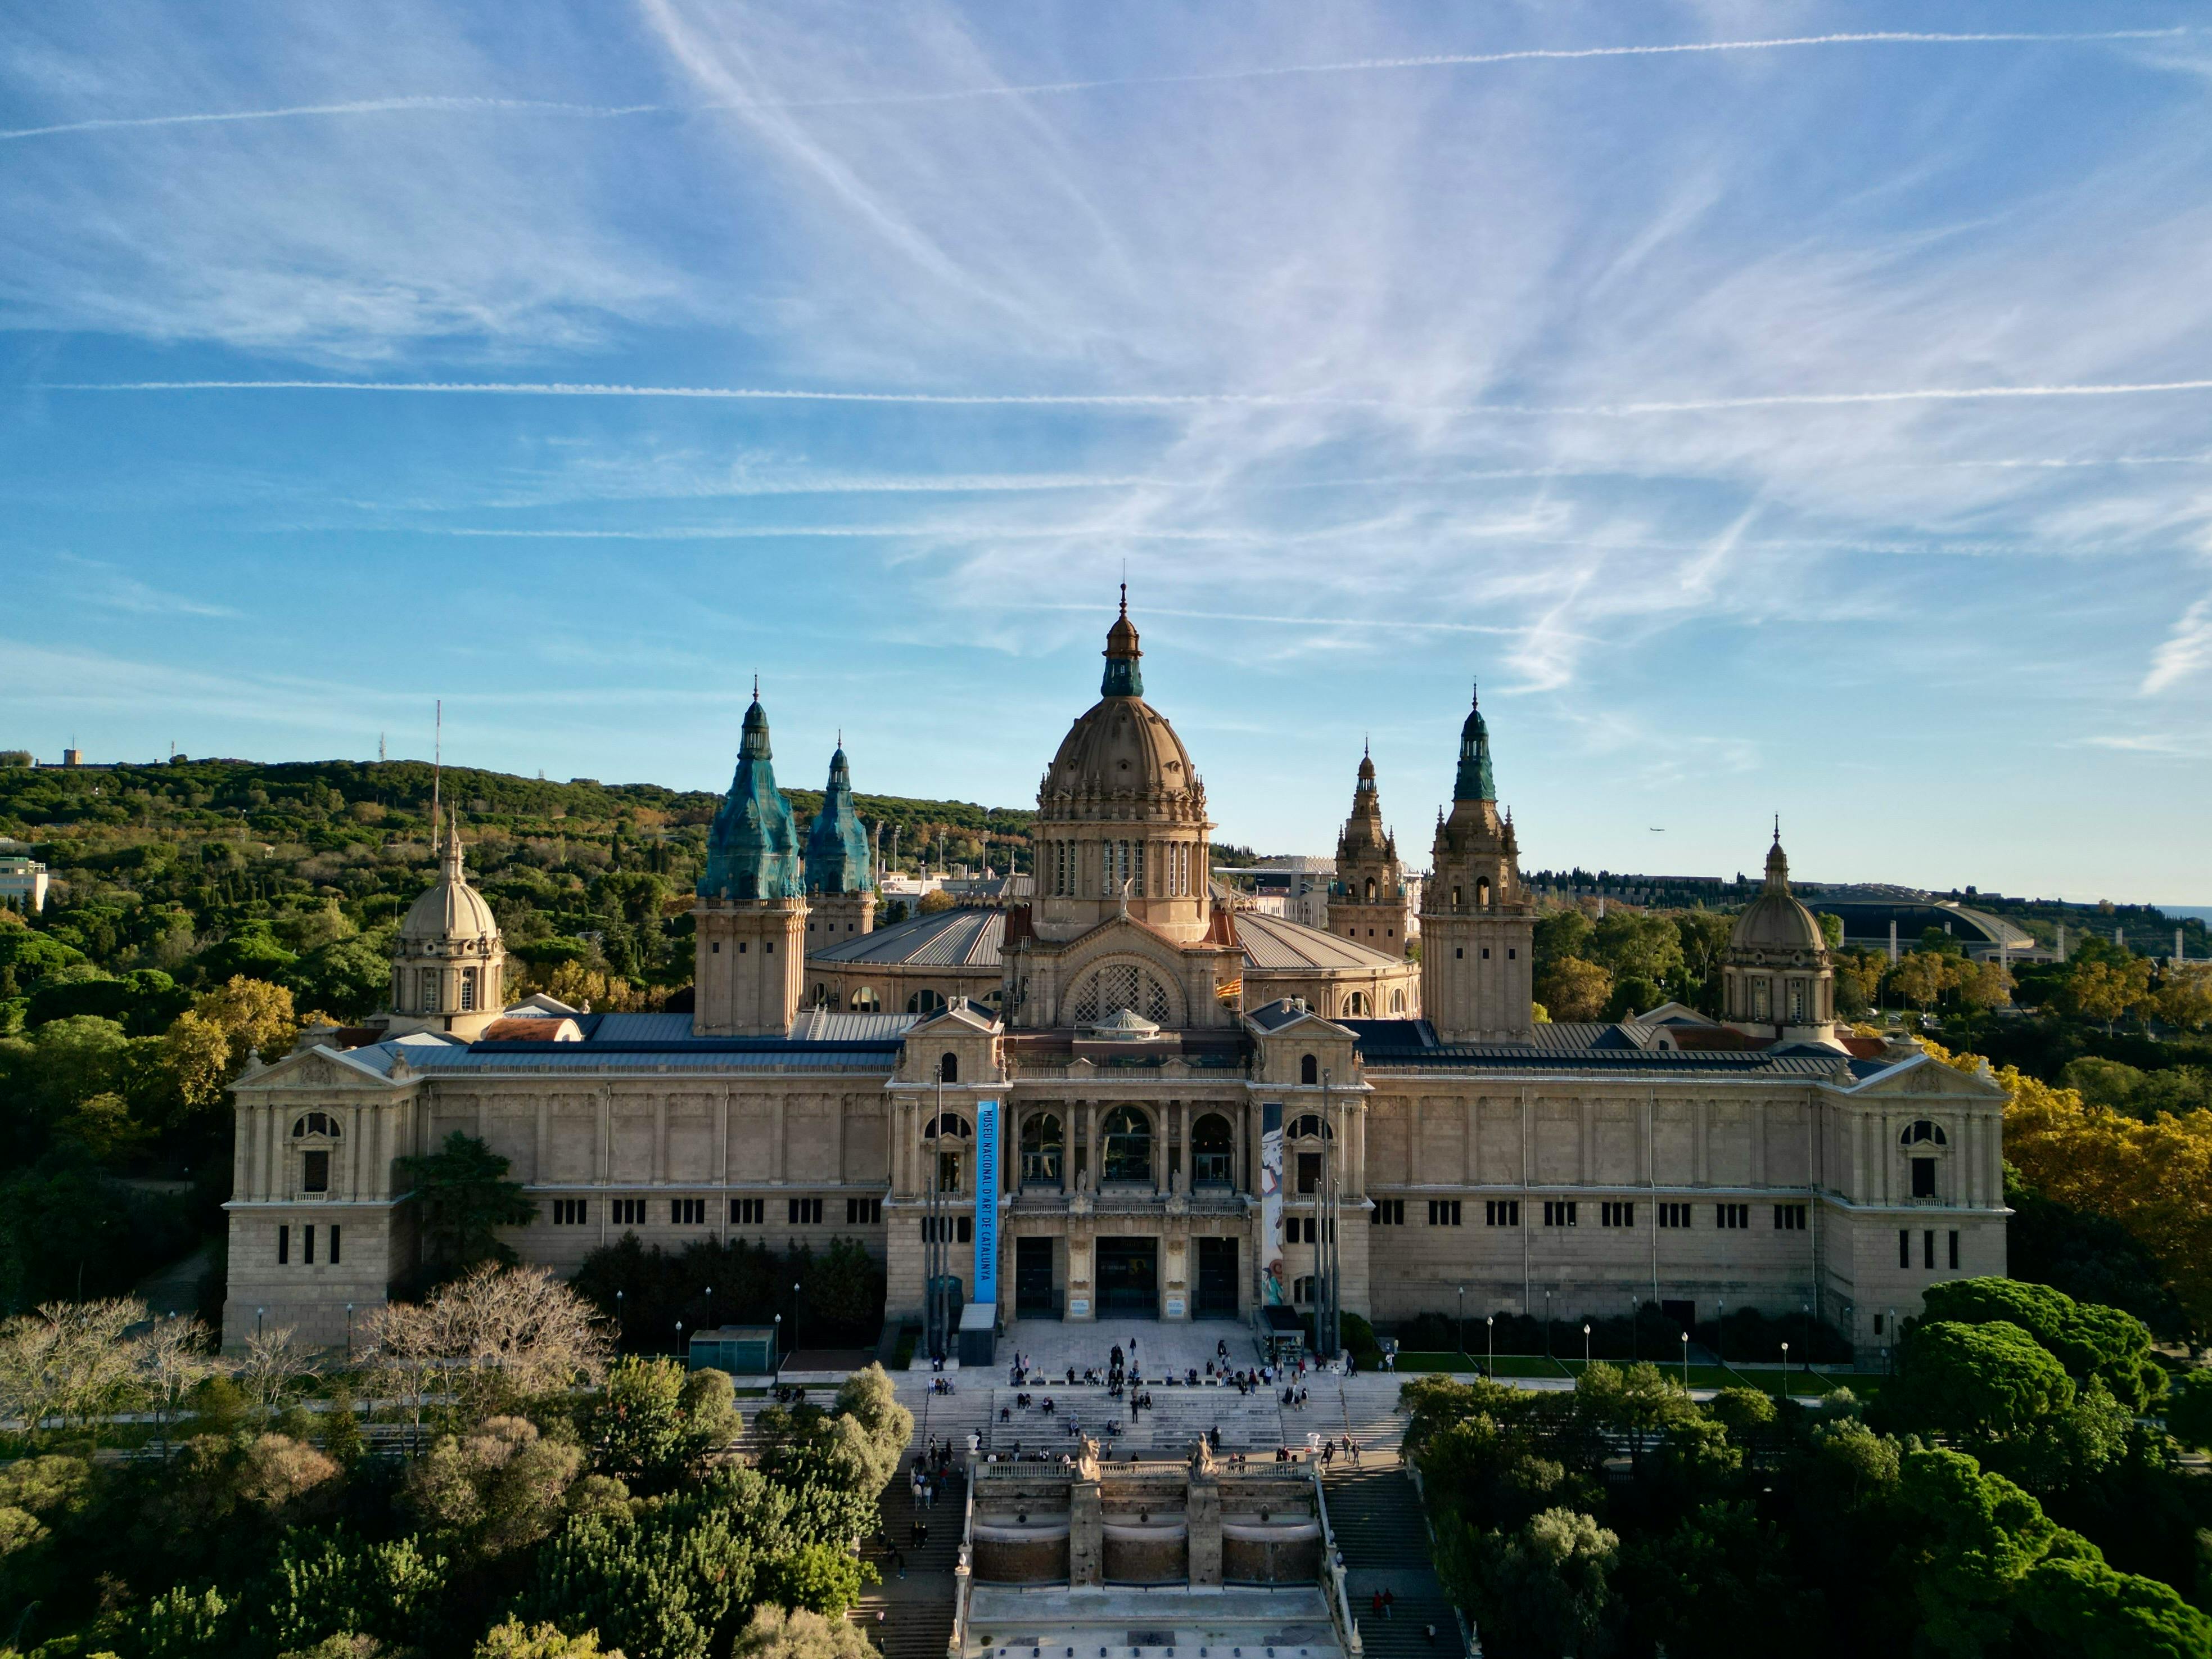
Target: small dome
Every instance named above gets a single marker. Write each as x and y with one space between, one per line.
1774 922
452 909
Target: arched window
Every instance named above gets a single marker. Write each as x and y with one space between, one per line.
1371 890
865 1001
1114 986
925 1001
1126 1138
1915 1133
1398 1001
1308 1127
948 1068
1308 1069
1482 893
316 1123
1454 898
1041 1147
948 1134
1213 1149
1356 1005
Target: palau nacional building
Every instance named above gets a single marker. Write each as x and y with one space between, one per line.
1155 1067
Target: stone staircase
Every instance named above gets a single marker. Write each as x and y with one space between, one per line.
1249 1423
1377 1516
917 1610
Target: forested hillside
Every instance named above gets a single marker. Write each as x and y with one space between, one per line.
202 910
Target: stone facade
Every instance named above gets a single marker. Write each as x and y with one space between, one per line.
1162 1124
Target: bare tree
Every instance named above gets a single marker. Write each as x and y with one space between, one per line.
169 1359
30 1381
274 1361
401 1341
515 1332
94 1373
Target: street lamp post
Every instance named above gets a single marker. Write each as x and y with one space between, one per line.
779 1342
1685 1361
797 1312
679 1338
1808 1308
258 1314
1548 1326
349 1332
618 1317
1490 1341
1461 1328
1720 1332
1586 1347
1786 1368
710 1307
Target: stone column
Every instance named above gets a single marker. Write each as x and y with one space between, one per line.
1202 1509
1086 1535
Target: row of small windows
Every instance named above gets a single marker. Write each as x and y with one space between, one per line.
692 1212
1304 1230
1512 953
768 947
331 1256
1927 1247
1567 1213
948 1229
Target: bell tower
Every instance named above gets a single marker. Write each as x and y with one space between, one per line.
752 910
841 879
1367 899
1478 923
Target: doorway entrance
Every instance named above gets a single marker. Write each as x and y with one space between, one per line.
1216 1278
1033 1297
1129 1277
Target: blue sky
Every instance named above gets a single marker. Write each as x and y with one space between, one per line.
1774 419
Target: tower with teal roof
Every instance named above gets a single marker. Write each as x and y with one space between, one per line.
1477 922
751 908
840 877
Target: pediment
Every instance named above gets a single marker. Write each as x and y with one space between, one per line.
1922 1075
315 1068
1120 937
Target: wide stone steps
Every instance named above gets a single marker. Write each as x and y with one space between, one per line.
1377 1516
916 1610
1170 1428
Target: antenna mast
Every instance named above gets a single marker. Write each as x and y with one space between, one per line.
437 771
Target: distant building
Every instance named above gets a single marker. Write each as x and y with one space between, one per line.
1300 883
23 886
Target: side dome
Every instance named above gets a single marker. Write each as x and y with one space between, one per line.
1776 923
752 846
450 908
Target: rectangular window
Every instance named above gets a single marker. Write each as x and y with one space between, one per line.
1877 1324
950 1229
1903 1248
805 1211
749 1211
864 1212
1501 1213
334 1244
307 1246
687 1211
1954 1248
1731 1216
1616 1214
569 1212
315 1172
429 990
1308 1172
1389 1212
1790 1218
468 989
629 1211
1560 1213
1923 1177
1673 1215
1927 1249
1444 1213
283 1245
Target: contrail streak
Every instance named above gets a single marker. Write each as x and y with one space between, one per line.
1151 399
1063 89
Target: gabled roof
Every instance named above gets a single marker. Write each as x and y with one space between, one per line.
1286 1012
959 1011
968 937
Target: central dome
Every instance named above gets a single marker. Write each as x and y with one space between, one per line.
1122 752
450 911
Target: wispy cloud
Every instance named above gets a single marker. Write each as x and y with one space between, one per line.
2184 653
96 582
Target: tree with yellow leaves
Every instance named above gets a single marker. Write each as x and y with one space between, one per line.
2184 998
2107 990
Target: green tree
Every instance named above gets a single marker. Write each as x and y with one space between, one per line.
774 1632
465 1198
637 1426
1573 989
2085 1608
512 1639
499 1489
334 1583
1989 1381
2087 1340
2189 1408
1697 1587
1550 1585
1971 1538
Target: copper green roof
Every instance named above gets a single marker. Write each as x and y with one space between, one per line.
752 850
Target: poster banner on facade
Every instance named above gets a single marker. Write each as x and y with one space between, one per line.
1273 1288
987 1202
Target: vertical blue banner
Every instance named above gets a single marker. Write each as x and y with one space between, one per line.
986 1202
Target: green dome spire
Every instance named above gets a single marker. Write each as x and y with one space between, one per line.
752 850
1474 782
836 846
